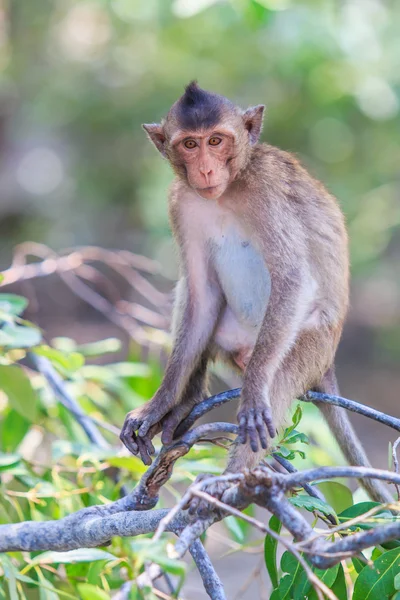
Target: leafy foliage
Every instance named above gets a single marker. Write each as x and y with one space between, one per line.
76 474
73 474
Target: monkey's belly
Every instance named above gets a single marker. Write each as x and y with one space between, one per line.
246 285
244 279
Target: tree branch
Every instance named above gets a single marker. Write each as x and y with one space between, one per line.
135 514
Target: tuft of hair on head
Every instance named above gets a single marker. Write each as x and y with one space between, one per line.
197 108
193 93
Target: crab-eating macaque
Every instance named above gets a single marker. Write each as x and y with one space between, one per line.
264 280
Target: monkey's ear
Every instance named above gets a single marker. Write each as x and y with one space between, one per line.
253 121
155 132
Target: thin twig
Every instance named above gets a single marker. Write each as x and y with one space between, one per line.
225 508
396 465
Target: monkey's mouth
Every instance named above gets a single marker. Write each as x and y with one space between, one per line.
211 192
210 189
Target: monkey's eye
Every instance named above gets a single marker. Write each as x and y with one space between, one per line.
214 141
190 144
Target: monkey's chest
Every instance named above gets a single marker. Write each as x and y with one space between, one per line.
242 275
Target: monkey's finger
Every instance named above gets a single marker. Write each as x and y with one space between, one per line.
260 425
128 438
145 426
242 435
144 455
268 420
149 445
252 432
169 427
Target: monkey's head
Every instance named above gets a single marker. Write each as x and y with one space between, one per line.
207 139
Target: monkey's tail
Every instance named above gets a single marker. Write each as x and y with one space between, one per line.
348 440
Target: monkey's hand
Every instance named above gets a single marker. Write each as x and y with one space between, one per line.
255 422
141 425
146 421
172 419
215 489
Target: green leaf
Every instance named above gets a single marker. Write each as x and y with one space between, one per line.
14 427
339 587
296 436
19 336
72 556
337 495
378 583
309 503
376 553
13 304
88 591
101 347
145 549
47 589
10 573
361 508
397 582
296 418
7 461
358 564
130 463
67 361
270 550
235 528
327 576
17 387
290 565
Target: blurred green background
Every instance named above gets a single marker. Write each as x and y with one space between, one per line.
78 78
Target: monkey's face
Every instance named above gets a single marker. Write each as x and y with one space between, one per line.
207 139
206 160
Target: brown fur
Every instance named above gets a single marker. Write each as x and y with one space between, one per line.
251 208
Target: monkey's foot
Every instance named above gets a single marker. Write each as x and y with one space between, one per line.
255 423
202 507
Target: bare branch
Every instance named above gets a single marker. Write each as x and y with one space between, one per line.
396 465
57 384
353 406
211 581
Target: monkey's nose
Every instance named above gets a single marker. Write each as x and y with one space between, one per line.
206 172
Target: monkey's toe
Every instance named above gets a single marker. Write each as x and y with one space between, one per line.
255 426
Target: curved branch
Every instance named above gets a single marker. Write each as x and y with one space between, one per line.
353 406
302 477
204 407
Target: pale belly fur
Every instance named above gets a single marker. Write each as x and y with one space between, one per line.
245 283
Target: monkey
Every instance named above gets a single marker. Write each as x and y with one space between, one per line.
264 285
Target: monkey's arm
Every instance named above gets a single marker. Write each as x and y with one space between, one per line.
196 312
285 253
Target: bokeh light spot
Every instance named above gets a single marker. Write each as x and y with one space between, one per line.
331 140
40 171
377 99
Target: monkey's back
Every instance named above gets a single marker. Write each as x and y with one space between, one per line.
315 218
